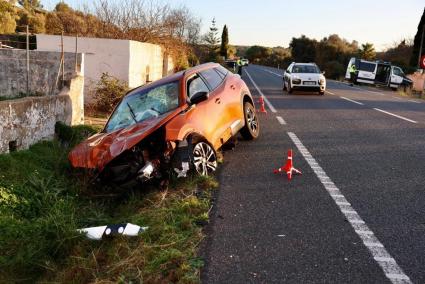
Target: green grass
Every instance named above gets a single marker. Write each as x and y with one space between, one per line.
42 203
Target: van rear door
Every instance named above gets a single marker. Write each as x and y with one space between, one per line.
396 77
367 72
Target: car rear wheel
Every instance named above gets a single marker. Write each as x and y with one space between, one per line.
204 158
251 130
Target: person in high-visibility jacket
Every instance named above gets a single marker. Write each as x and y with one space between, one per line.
239 63
353 72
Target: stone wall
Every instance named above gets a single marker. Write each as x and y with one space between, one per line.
44 69
26 121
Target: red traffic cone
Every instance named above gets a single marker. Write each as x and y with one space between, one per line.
261 102
288 167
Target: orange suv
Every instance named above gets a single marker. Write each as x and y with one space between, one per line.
177 122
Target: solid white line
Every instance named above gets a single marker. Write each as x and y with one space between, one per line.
350 100
413 101
391 269
281 120
261 93
384 259
395 115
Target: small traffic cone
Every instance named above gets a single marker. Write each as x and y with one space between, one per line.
261 102
288 167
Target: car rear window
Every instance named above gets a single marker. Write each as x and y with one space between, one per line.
212 77
366 66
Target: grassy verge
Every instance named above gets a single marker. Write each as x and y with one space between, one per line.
42 203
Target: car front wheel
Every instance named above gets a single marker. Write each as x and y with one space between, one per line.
204 158
251 130
289 88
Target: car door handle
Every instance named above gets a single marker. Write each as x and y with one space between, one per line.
232 87
217 100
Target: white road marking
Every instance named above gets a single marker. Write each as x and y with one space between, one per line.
397 98
281 120
391 269
413 101
330 93
395 115
350 100
271 72
261 93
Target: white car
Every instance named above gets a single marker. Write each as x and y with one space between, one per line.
304 77
244 62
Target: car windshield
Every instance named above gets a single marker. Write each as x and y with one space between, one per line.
305 69
143 105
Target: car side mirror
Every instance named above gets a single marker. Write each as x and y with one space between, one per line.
199 97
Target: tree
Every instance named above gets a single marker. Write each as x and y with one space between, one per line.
224 49
211 40
417 41
257 54
7 17
367 52
303 49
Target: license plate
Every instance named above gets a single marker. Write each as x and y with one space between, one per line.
309 83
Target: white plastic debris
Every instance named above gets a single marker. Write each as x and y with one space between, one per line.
96 233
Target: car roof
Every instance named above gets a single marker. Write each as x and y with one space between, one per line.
174 77
309 63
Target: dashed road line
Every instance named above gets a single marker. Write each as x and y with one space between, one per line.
395 115
330 93
413 101
271 72
281 120
350 100
261 93
391 269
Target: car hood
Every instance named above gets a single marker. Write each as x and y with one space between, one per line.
98 150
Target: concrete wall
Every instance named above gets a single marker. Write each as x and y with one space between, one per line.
44 68
28 120
127 60
101 56
418 79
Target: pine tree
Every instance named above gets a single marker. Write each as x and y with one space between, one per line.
211 40
224 42
417 42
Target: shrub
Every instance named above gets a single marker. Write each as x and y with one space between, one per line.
108 92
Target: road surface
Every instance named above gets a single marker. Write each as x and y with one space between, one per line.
356 215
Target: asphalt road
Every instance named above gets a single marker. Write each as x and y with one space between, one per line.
356 215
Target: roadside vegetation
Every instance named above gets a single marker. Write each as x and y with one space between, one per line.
43 202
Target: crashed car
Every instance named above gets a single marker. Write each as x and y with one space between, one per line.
178 122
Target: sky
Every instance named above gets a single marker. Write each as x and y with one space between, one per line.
275 22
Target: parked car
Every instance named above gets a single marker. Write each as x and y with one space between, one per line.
178 122
304 77
378 73
244 62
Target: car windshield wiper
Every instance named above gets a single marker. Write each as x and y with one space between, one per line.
132 112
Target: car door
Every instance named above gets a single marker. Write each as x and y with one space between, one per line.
396 77
219 103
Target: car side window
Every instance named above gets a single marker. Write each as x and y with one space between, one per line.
397 71
196 85
212 77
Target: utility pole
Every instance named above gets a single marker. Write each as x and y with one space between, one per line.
420 48
28 62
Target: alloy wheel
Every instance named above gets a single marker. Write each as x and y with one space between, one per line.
204 158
